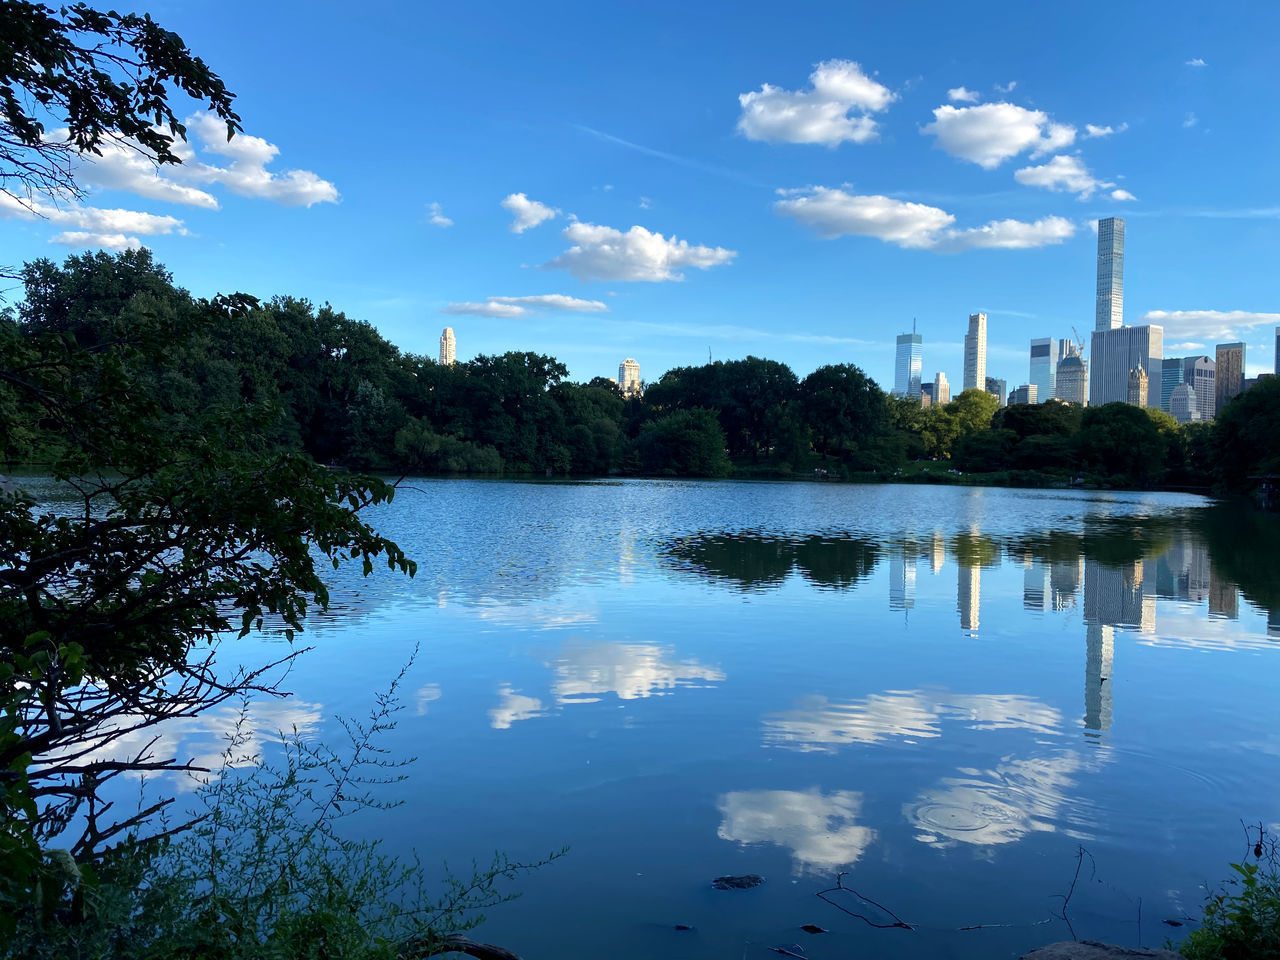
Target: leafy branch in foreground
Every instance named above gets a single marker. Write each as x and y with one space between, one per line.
1242 918
267 871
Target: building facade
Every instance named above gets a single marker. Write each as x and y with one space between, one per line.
448 347
1229 380
1113 353
1139 387
1201 374
975 353
1277 370
1170 377
941 388
908 365
1027 393
998 389
1183 404
1072 379
629 378
1110 304
1045 354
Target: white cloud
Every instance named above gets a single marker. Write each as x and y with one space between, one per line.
1195 62
123 167
489 308
1122 195
104 241
247 173
527 213
645 203
1093 131
1006 87
630 671
555 301
512 707
520 306
1209 326
1063 173
821 830
834 110
113 229
962 95
1190 121
437 217
834 213
991 133
603 253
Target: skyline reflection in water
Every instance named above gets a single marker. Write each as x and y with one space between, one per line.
942 690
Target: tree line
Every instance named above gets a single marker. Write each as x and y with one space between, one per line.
332 387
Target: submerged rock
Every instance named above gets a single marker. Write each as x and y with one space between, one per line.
744 882
1096 950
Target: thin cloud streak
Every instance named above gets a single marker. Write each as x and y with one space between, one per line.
729 331
672 157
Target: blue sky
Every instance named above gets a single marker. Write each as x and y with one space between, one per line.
595 181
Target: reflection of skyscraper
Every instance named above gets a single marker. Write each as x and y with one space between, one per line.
969 595
1035 586
1098 663
937 552
1120 596
1065 577
1224 598
902 577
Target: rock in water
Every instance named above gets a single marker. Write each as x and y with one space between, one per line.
744 882
1096 950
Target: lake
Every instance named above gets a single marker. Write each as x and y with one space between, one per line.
955 696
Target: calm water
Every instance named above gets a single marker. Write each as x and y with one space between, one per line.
946 692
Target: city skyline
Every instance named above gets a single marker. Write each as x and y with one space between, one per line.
908 170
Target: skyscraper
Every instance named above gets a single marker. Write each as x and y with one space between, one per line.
1027 393
1277 362
999 389
941 388
1183 404
1139 386
1200 373
629 378
1110 306
1170 377
1113 353
448 347
975 353
1073 378
1229 379
908 365
1044 360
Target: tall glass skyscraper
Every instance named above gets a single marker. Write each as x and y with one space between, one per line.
1110 307
975 353
1045 354
908 365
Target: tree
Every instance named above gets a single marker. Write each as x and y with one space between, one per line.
974 410
1246 436
183 529
687 443
843 408
98 77
1124 444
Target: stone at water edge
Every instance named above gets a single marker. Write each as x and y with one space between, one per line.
744 882
1096 950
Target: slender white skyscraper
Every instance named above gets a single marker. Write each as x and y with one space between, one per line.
941 388
1110 309
448 347
975 353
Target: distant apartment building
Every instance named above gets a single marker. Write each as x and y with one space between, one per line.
1027 393
998 389
1229 381
448 347
1139 387
975 353
941 389
1183 405
629 378
908 365
1277 360
926 395
1072 380
1109 313
1114 352
1200 374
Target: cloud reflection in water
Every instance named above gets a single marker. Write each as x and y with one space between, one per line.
821 830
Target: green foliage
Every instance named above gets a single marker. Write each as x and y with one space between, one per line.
101 76
268 870
687 443
1242 919
1246 440
1125 444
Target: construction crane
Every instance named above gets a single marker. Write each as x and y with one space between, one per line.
1079 342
